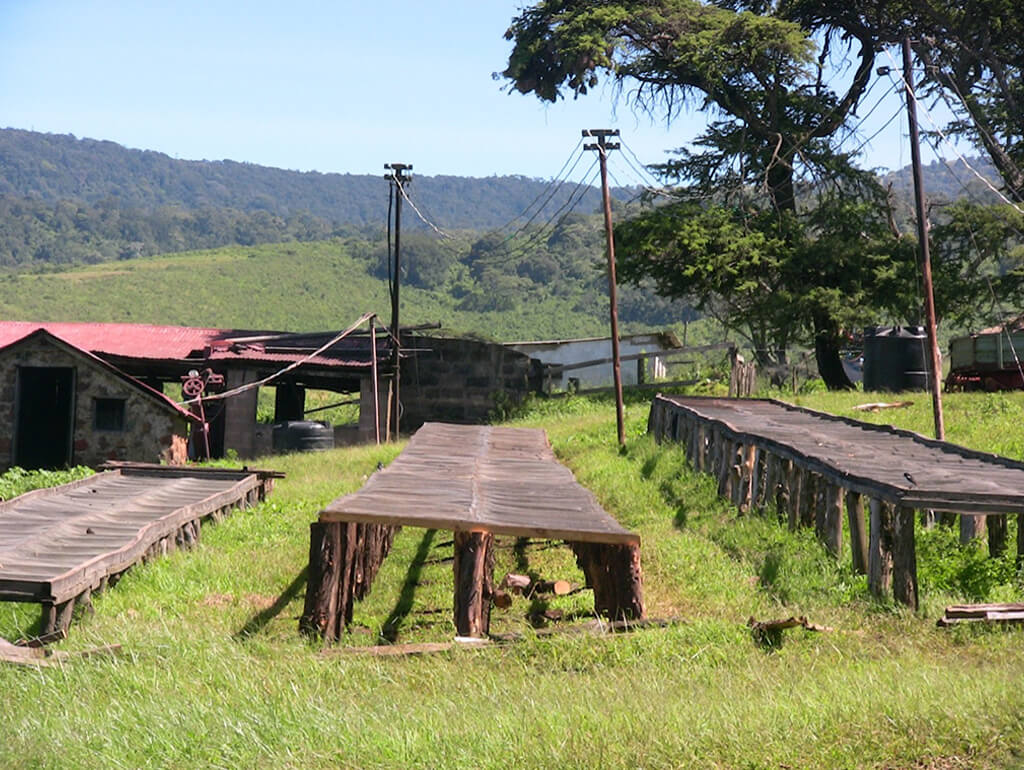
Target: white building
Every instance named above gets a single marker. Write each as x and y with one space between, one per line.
642 357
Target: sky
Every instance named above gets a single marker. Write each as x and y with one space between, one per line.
338 86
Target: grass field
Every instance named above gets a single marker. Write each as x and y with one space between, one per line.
214 674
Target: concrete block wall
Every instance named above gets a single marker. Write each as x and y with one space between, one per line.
461 381
151 434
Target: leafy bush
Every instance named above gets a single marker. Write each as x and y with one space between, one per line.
17 480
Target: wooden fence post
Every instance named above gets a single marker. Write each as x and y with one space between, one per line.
614 572
832 532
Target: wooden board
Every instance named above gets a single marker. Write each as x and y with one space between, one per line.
896 465
468 478
56 543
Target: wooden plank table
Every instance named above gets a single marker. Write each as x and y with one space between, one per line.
59 545
477 481
811 464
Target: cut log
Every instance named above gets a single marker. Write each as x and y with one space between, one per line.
614 572
320 615
997 534
904 558
971 527
518 584
880 548
858 532
474 582
832 531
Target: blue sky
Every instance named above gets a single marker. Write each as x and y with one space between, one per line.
329 86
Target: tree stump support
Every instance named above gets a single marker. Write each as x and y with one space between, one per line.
904 558
858 533
474 582
614 573
880 548
971 527
997 534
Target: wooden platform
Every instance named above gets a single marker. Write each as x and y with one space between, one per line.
65 542
465 478
810 466
477 481
900 466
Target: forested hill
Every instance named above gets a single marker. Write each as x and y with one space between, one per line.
56 167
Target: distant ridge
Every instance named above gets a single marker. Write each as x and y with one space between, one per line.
55 167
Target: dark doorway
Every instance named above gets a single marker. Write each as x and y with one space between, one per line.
42 437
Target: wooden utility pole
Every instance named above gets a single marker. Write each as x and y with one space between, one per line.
398 180
602 147
922 236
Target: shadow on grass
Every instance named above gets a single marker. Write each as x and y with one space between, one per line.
257 622
389 630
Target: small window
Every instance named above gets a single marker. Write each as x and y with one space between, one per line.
109 414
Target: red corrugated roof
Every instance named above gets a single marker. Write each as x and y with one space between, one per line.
130 340
178 343
157 395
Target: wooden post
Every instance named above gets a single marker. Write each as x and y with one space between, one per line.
1020 540
880 548
808 498
320 613
702 448
904 558
794 483
614 572
726 459
997 534
971 527
858 535
474 582
832 533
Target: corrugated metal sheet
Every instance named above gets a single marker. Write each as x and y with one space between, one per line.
468 477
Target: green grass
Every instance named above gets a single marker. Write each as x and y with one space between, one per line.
214 673
291 286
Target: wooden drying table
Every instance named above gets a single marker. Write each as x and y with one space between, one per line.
59 545
477 481
809 462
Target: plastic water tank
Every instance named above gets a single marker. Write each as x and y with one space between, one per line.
895 358
302 436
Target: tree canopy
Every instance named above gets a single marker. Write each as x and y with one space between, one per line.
768 174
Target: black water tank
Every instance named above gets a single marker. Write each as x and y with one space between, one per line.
895 358
302 436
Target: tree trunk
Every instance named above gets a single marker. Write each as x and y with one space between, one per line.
826 353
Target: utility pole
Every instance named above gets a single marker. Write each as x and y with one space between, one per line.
398 179
922 236
603 146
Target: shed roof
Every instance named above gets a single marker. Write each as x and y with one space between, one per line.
149 342
159 398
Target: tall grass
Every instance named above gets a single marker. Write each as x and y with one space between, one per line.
214 673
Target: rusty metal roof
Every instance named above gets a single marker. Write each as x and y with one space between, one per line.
879 460
469 477
197 344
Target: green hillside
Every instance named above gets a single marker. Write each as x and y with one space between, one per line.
295 286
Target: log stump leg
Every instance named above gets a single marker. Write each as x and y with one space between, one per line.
880 548
794 491
832 529
997 534
904 558
858 534
323 584
1020 540
971 527
809 499
474 582
615 574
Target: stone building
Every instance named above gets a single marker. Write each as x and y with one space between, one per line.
62 406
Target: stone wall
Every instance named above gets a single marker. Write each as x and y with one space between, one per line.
461 381
151 433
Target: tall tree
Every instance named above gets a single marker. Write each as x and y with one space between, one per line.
777 116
